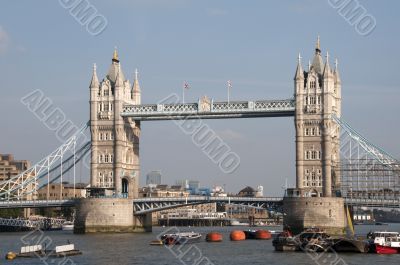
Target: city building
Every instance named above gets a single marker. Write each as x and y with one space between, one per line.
218 191
247 192
163 191
53 191
153 178
10 167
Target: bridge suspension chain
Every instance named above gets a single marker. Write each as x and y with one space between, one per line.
366 171
24 185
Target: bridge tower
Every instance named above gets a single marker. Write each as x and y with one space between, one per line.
318 97
315 201
115 140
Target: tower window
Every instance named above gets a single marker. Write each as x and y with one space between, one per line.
313 155
313 131
312 84
101 137
106 158
307 155
106 136
307 132
106 92
106 106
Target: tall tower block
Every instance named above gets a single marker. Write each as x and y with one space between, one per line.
115 140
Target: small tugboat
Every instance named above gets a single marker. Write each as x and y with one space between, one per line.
387 242
180 238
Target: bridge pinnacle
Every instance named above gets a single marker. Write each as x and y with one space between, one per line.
318 46
115 55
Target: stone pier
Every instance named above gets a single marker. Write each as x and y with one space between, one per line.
109 215
326 213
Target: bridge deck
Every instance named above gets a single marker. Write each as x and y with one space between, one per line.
144 205
210 110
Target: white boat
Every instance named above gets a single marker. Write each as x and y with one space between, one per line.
237 223
180 238
387 242
68 226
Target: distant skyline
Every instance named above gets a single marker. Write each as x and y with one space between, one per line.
205 43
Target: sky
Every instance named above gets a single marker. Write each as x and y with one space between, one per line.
255 44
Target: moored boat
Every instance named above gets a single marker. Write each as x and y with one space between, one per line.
285 241
180 238
37 251
68 226
387 242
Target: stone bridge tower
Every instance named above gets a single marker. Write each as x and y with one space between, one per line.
316 202
115 140
318 97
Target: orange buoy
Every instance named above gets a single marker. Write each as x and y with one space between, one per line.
263 234
237 235
214 237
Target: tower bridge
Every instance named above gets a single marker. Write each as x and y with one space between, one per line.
334 163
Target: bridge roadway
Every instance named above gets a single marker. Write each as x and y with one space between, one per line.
148 205
207 109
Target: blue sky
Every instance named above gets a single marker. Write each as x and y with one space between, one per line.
253 43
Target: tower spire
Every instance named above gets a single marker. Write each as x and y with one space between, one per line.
95 81
336 72
327 68
136 88
299 70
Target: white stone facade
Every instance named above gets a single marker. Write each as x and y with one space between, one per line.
318 97
115 140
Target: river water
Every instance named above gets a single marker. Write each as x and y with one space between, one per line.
135 249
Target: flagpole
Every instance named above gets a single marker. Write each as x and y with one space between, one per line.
229 88
183 93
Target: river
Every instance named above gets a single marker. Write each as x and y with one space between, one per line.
123 249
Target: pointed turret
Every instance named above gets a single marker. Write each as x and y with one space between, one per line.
336 72
94 83
317 63
119 81
299 70
136 89
114 68
327 69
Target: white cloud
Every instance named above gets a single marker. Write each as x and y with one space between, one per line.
4 41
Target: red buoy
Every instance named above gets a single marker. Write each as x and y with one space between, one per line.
263 234
214 237
237 235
